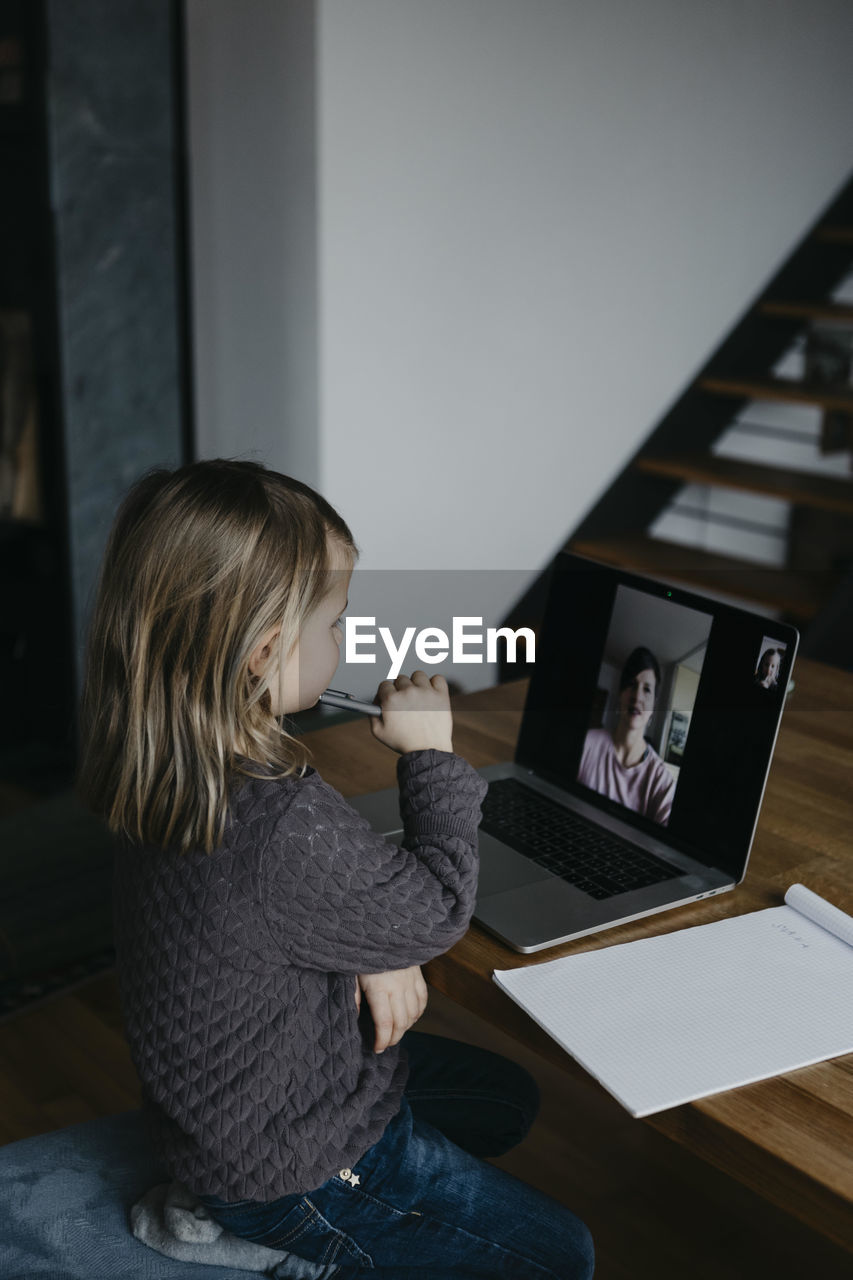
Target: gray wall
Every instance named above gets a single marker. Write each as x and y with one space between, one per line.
112 157
252 83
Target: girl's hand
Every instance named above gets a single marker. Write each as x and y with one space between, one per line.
396 1000
416 714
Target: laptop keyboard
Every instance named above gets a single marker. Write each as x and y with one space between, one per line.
570 847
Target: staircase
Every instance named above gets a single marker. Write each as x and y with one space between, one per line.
759 429
757 426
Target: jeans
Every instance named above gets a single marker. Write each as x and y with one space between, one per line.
420 1204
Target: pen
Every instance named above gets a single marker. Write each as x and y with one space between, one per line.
335 698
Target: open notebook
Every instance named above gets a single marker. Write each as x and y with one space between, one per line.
665 1020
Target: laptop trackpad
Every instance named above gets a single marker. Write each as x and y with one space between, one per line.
501 868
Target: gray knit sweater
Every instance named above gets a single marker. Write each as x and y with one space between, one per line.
237 972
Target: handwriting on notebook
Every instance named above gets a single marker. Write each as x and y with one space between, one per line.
792 934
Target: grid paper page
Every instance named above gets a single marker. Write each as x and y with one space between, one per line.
665 1020
820 911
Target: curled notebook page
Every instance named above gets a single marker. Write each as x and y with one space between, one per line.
821 912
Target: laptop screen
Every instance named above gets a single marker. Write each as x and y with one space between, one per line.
657 705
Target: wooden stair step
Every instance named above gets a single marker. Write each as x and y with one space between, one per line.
780 389
833 311
834 235
797 594
825 492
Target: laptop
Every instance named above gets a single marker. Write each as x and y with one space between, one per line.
640 766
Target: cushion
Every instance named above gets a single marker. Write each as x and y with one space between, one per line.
65 1201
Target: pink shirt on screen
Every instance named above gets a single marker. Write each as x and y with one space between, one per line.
647 787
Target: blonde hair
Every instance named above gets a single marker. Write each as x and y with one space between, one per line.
201 563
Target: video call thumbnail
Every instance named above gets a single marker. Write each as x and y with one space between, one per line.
769 663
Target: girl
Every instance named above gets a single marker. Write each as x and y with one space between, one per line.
254 907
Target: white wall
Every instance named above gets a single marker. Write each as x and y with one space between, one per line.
536 219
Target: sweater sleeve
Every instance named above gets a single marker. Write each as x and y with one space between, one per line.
340 898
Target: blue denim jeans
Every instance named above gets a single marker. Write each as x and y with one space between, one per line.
420 1204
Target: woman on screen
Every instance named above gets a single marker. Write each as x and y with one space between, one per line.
622 765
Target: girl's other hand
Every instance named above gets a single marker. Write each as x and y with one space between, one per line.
396 1000
416 714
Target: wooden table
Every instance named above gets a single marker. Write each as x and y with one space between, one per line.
789 1138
